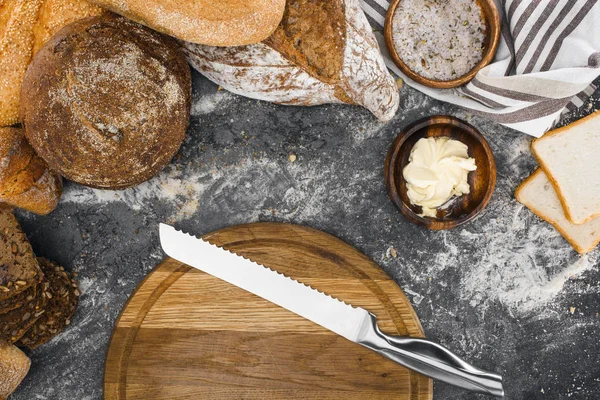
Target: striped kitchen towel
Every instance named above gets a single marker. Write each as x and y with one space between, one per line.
547 59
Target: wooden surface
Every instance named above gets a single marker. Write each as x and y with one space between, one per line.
492 37
187 335
482 181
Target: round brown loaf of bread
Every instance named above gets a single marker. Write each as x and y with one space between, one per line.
106 102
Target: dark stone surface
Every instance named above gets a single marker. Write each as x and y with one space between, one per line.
498 291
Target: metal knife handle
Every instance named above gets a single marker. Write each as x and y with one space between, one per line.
431 359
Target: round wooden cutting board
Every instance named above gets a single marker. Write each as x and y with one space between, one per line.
187 335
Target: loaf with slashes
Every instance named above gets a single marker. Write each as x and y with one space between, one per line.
321 52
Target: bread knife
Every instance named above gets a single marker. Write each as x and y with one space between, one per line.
353 323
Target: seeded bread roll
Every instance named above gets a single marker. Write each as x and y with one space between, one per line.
19 269
14 365
62 303
25 179
106 102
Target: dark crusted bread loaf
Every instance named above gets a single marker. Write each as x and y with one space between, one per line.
19 269
64 296
106 101
321 52
25 179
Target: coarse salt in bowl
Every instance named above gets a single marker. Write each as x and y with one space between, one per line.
442 43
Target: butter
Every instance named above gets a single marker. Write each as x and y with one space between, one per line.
437 171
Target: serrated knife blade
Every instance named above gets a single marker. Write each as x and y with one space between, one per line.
353 323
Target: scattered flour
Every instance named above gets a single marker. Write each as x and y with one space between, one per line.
238 188
507 256
169 186
515 259
208 103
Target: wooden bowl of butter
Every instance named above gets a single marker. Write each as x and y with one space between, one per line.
440 172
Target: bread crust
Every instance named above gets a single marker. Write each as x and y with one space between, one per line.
322 52
19 269
551 221
106 102
25 179
24 26
14 366
548 172
211 22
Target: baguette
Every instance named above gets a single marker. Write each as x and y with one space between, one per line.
212 22
537 193
321 52
569 157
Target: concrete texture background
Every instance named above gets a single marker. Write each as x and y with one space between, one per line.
505 291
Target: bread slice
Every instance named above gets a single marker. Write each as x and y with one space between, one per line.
14 365
18 300
59 310
570 158
19 269
537 193
16 322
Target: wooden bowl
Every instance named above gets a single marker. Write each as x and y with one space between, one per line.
492 36
482 181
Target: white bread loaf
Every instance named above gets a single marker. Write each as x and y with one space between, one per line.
322 52
537 193
14 365
570 158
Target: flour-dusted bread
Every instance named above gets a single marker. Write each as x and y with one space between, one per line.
570 158
25 179
25 25
322 52
19 269
537 193
106 102
14 365
212 22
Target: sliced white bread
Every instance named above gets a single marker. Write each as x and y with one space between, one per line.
570 157
537 193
